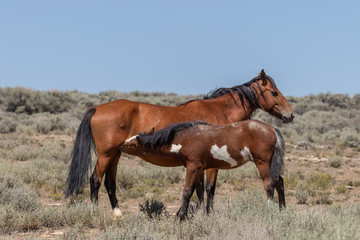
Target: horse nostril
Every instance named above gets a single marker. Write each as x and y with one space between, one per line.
292 116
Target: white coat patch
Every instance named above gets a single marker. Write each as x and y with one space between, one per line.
129 139
175 148
222 154
246 154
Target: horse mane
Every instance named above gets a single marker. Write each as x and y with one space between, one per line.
164 137
245 92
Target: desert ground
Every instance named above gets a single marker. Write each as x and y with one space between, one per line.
322 178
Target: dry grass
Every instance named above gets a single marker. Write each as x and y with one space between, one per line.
321 182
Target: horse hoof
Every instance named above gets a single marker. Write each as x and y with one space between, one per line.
118 214
181 217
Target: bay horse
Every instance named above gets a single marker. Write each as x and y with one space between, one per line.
107 126
199 146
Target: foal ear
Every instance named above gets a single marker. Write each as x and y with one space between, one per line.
262 76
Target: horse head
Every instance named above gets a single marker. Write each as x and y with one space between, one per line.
271 99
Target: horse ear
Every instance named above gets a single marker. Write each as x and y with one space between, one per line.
262 76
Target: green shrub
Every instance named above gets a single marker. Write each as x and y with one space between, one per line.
335 161
238 176
7 124
301 194
324 198
341 189
318 181
23 100
43 172
20 198
126 177
43 125
135 192
159 176
291 180
25 153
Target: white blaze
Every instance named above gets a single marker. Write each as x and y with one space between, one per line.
246 154
222 154
175 148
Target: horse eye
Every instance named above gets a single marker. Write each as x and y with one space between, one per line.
274 93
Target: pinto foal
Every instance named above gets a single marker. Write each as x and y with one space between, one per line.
199 146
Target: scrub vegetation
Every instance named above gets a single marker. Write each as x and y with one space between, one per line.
322 176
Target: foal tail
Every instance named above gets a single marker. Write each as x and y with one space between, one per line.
277 161
81 156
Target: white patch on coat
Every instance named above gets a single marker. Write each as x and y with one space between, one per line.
246 154
175 148
117 213
129 139
222 154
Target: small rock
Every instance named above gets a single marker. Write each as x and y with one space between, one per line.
352 144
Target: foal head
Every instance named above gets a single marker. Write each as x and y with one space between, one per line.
271 99
132 146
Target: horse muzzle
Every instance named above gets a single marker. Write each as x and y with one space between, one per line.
288 119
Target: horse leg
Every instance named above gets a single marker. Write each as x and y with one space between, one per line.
94 187
110 184
102 164
199 187
189 188
269 188
279 186
265 173
211 175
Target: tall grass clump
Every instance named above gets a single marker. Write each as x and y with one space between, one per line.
335 161
22 210
25 153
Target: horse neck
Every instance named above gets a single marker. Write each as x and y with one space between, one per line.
221 110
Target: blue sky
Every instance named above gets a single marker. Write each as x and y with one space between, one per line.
187 47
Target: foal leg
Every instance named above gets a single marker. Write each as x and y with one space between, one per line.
265 173
211 175
189 187
110 184
199 187
279 186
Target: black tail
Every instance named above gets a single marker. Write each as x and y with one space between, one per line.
277 163
81 156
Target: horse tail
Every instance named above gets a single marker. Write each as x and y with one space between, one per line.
81 156
277 161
